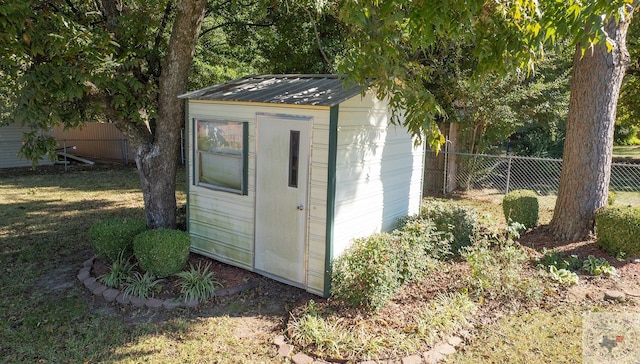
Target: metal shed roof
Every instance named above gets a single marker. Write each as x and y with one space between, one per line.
319 90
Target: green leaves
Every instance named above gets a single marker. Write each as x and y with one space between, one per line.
389 38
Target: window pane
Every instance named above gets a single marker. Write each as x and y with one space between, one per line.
220 137
220 154
294 152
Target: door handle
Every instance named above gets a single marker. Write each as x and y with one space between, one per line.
300 207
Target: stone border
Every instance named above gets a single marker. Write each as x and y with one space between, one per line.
433 356
114 295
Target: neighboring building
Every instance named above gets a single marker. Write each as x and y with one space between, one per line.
285 171
95 140
10 144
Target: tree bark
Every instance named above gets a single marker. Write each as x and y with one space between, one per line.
586 167
157 159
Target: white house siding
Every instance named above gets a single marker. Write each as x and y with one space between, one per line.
97 140
222 224
378 172
10 144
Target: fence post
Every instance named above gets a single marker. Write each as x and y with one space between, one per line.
64 145
508 174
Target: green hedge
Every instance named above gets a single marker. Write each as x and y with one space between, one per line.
521 206
162 252
111 237
618 228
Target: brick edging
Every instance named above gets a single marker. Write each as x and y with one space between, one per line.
114 295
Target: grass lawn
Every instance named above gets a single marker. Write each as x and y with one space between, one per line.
47 316
632 151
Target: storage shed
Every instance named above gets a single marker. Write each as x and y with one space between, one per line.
284 171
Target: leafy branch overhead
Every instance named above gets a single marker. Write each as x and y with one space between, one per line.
392 40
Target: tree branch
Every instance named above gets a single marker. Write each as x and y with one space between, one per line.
206 31
315 31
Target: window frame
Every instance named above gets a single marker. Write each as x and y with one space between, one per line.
244 156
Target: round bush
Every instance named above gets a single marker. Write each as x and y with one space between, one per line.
162 252
618 228
111 237
521 206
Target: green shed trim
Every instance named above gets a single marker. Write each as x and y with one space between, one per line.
187 165
331 196
245 158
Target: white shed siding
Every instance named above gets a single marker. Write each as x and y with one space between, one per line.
10 144
222 224
376 182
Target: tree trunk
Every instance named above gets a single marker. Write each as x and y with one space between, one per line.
157 159
586 166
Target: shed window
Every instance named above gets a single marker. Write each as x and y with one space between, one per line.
221 155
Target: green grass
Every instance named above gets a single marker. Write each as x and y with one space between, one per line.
44 219
632 151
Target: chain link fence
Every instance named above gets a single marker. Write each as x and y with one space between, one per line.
501 174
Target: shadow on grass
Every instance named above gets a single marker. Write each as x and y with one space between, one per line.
47 315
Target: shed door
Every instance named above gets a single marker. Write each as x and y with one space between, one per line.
282 172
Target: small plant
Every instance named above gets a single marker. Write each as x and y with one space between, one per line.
111 237
141 285
563 276
618 228
498 271
449 217
611 198
598 266
553 258
521 206
119 272
162 252
198 284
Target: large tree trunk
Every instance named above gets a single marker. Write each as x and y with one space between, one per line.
586 166
157 160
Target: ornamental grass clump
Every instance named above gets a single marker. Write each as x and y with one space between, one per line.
521 206
112 237
162 252
198 283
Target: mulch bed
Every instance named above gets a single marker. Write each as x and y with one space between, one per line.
227 275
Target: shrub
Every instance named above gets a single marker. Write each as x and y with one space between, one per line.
521 206
162 252
112 237
499 272
367 274
449 217
617 229
611 198
422 234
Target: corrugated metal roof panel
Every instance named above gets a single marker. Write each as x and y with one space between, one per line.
320 90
